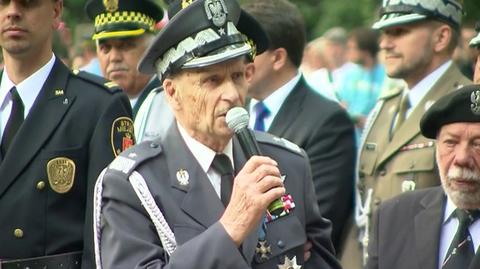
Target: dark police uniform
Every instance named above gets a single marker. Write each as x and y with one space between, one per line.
77 125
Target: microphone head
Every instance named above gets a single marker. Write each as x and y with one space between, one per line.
237 118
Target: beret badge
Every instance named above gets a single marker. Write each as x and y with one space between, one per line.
475 105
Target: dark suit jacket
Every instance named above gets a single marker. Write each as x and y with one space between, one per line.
407 232
152 84
129 239
72 119
324 130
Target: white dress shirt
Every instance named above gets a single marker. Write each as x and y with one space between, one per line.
273 102
204 156
28 90
449 228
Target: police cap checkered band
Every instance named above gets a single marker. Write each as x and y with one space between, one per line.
123 18
398 12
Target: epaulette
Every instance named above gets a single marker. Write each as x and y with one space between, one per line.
128 160
97 80
279 142
392 92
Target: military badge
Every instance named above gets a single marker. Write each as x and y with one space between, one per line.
216 12
280 208
408 185
263 250
110 5
59 92
186 3
183 177
61 174
290 264
122 136
475 105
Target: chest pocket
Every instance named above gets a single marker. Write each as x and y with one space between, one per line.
284 235
368 159
416 160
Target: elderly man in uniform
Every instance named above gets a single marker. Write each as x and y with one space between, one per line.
58 129
475 42
191 216
418 40
438 227
123 31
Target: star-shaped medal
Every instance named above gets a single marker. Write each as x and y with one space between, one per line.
290 264
263 249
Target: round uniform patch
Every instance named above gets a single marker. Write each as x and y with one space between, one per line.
122 135
61 174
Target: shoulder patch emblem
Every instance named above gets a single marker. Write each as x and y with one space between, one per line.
122 135
111 84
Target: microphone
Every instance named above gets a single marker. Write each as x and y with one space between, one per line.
237 119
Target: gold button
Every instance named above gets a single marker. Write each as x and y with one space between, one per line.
18 233
40 185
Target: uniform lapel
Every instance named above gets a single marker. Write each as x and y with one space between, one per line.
200 201
476 260
289 110
46 113
411 127
427 229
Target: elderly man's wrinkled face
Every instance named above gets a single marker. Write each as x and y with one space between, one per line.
201 98
458 157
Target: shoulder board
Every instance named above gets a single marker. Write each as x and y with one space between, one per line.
279 142
391 92
102 82
128 160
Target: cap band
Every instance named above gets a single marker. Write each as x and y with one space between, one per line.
204 42
108 21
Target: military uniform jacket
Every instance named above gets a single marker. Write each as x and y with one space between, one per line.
407 232
407 160
192 209
71 133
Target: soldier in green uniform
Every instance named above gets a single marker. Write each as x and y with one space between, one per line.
123 31
418 40
58 130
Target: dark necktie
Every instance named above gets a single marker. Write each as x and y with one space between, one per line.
262 112
14 121
461 250
221 163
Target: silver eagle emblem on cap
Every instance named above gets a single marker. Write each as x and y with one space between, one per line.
475 105
216 12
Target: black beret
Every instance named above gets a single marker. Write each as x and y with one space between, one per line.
462 105
201 33
123 18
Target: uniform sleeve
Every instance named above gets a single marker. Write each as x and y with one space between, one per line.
331 151
129 239
100 154
318 230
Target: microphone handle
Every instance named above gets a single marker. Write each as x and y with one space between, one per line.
249 145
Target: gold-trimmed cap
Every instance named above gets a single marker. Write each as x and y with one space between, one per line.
123 18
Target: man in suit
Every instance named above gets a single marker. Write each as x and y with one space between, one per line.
207 222
418 41
58 130
292 110
438 227
123 31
